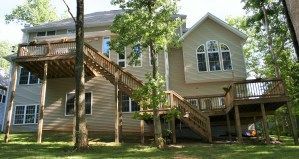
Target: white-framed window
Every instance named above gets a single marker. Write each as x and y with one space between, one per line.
201 58
27 77
212 57
2 96
70 103
71 31
129 105
137 50
106 46
226 59
26 114
121 59
46 33
150 58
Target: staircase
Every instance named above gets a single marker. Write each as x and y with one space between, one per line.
192 117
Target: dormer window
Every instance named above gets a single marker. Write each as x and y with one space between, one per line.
214 58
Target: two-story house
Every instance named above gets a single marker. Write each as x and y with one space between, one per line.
206 76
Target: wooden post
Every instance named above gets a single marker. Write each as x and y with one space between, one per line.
238 124
116 76
228 127
42 104
209 130
142 131
265 124
277 128
173 132
254 121
293 124
12 90
120 126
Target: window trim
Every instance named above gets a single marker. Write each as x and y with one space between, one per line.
130 106
205 54
122 60
211 52
220 51
230 55
109 54
91 96
28 80
35 114
141 58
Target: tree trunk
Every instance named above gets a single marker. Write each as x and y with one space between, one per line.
291 28
81 129
270 41
157 122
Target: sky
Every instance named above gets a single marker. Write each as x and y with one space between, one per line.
194 9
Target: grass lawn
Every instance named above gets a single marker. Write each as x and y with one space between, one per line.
59 146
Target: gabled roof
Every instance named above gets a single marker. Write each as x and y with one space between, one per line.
90 20
218 21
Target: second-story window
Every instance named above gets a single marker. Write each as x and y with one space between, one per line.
137 50
27 77
201 58
214 57
121 59
46 33
2 96
106 46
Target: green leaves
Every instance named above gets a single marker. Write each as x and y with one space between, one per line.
5 49
32 12
144 95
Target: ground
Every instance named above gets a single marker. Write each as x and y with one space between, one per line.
59 146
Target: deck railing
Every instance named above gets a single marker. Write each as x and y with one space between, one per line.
207 103
255 89
47 49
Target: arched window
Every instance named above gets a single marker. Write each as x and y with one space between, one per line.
201 58
213 55
226 60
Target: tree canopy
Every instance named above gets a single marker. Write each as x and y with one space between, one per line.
32 12
5 49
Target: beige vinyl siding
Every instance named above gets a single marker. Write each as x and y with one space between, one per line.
177 79
103 107
25 95
209 30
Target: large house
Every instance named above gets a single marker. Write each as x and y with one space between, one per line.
205 79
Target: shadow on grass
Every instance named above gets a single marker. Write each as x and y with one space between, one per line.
59 145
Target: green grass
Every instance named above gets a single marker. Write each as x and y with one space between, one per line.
59 146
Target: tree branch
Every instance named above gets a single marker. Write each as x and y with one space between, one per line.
69 10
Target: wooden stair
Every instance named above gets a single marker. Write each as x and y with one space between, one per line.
194 118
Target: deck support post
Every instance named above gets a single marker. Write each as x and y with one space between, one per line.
142 131
173 133
228 127
120 108
293 124
254 123
117 132
42 104
277 127
265 124
12 93
238 124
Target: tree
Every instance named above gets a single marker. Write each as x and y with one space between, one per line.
146 24
32 12
5 49
81 134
